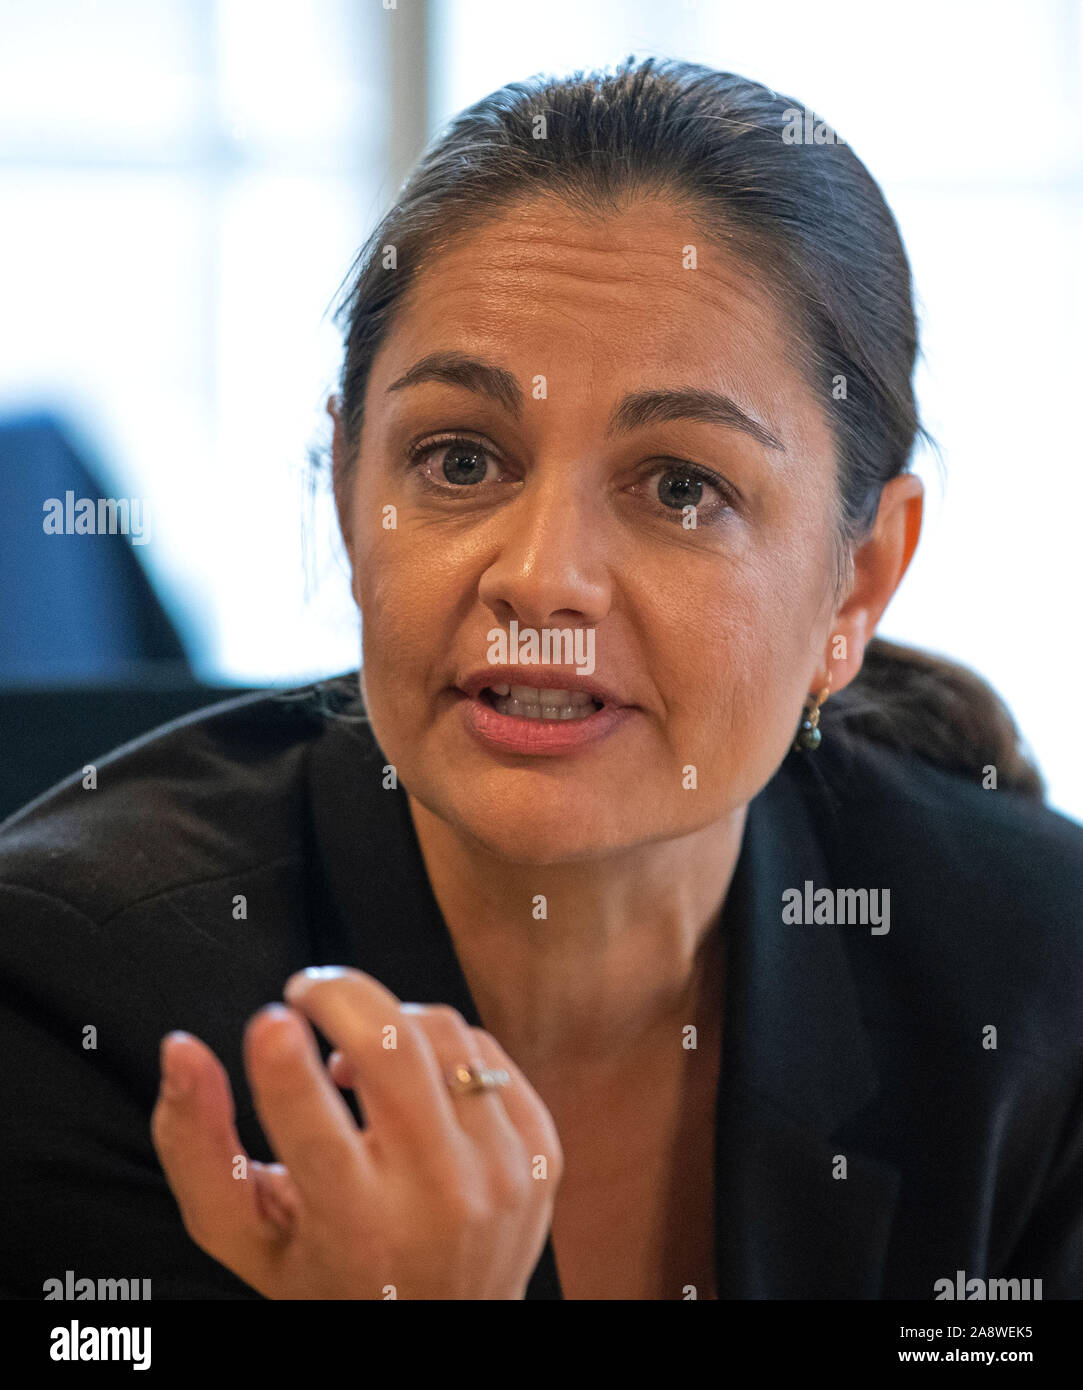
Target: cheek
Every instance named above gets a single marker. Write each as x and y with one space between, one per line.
402 623
405 599
744 662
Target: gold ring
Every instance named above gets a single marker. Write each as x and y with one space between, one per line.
466 1080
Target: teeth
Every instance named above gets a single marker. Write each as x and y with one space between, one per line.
532 702
552 699
550 710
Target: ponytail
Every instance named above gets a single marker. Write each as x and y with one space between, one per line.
941 711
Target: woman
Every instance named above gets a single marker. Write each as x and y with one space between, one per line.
705 1010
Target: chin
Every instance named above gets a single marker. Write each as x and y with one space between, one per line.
534 829
534 843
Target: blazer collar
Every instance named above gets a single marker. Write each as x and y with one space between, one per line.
796 1057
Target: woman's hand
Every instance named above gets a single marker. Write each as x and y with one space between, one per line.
439 1196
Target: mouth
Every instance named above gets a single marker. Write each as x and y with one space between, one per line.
546 720
531 702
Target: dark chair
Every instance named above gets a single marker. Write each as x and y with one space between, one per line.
72 607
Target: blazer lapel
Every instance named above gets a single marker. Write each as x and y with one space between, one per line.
796 1065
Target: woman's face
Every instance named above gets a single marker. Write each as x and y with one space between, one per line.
566 505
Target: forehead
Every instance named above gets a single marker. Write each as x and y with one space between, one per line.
639 296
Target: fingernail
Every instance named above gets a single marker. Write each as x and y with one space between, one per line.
297 984
412 1008
286 1042
176 1082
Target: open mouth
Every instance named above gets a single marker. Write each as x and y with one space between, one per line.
526 702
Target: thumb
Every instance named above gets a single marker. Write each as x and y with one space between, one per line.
205 1164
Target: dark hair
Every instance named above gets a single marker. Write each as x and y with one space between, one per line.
807 215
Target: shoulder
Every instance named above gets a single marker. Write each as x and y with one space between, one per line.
986 885
945 814
121 919
208 795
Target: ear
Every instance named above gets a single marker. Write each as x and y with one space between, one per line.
879 565
338 469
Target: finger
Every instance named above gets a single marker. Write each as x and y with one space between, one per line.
277 1195
527 1113
399 1083
196 1140
524 1108
340 1071
305 1118
480 1113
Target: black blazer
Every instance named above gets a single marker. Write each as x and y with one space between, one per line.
840 1042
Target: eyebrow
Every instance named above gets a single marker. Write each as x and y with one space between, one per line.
633 412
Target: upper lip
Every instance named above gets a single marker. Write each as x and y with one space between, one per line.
539 678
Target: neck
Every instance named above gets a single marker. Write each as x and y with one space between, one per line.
626 952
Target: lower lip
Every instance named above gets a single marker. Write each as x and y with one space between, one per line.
546 737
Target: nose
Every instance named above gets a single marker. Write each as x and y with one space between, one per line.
551 568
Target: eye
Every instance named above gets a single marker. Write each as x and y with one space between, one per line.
682 485
454 462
